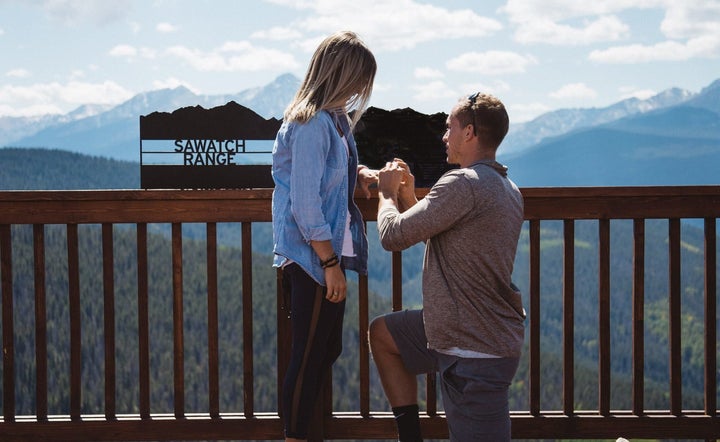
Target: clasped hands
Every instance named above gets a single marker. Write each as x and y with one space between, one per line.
395 181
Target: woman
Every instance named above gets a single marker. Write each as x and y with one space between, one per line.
318 230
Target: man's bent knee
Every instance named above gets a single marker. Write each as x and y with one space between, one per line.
378 332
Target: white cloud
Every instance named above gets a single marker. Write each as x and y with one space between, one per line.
427 73
56 97
496 87
123 51
692 30
522 112
391 26
571 22
521 11
574 91
703 47
29 111
690 27
166 28
434 90
17 73
691 19
77 74
73 12
491 62
606 28
235 56
130 52
641 94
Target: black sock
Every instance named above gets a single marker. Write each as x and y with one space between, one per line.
408 423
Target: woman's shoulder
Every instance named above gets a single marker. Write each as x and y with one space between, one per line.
320 120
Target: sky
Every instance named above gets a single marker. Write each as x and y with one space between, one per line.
535 55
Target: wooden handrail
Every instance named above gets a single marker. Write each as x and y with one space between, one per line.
175 208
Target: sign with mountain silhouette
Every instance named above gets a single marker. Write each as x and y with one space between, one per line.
230 146
224 147
382 135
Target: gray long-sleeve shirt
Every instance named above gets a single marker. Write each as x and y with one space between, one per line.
471 221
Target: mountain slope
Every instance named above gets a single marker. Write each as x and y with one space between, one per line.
551 124
676 146
54 169
115 132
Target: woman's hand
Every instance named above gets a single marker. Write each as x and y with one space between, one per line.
336 284
366 178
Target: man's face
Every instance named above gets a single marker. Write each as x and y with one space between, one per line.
453 138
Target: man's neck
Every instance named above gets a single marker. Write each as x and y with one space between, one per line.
480 155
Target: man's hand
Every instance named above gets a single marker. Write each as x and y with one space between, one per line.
390 178
396 182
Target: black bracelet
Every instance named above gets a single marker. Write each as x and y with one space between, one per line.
331 261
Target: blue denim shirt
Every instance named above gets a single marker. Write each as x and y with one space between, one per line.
314 187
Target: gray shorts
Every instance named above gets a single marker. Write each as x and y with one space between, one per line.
474 391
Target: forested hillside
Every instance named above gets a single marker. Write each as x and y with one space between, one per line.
22 168
46 169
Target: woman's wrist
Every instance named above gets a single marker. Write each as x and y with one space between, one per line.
330 261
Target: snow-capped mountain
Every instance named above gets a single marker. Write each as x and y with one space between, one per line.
114 132
524 135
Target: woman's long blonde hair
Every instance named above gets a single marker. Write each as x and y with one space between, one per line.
340 77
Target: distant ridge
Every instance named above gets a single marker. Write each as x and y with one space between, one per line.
670 139
551 124
114 133
677 145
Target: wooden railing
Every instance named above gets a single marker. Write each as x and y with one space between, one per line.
568 206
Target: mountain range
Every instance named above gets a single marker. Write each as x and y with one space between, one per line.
114 132
672 138
672 145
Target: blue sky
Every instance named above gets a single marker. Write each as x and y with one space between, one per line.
536 55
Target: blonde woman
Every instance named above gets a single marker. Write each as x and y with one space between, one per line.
318 231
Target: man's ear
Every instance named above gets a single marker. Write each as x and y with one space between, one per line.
468 131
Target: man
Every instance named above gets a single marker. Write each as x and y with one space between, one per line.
471 327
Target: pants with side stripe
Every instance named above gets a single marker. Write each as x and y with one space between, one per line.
316 325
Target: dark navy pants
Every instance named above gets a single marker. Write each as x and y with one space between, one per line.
316 325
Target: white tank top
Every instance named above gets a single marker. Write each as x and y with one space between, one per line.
347 248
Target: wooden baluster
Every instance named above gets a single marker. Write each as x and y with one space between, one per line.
604 351
568 317
178 339
109 319
41 376
534 317
248 374
8 343
212 312
674 316
143 321
710 317
638 318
